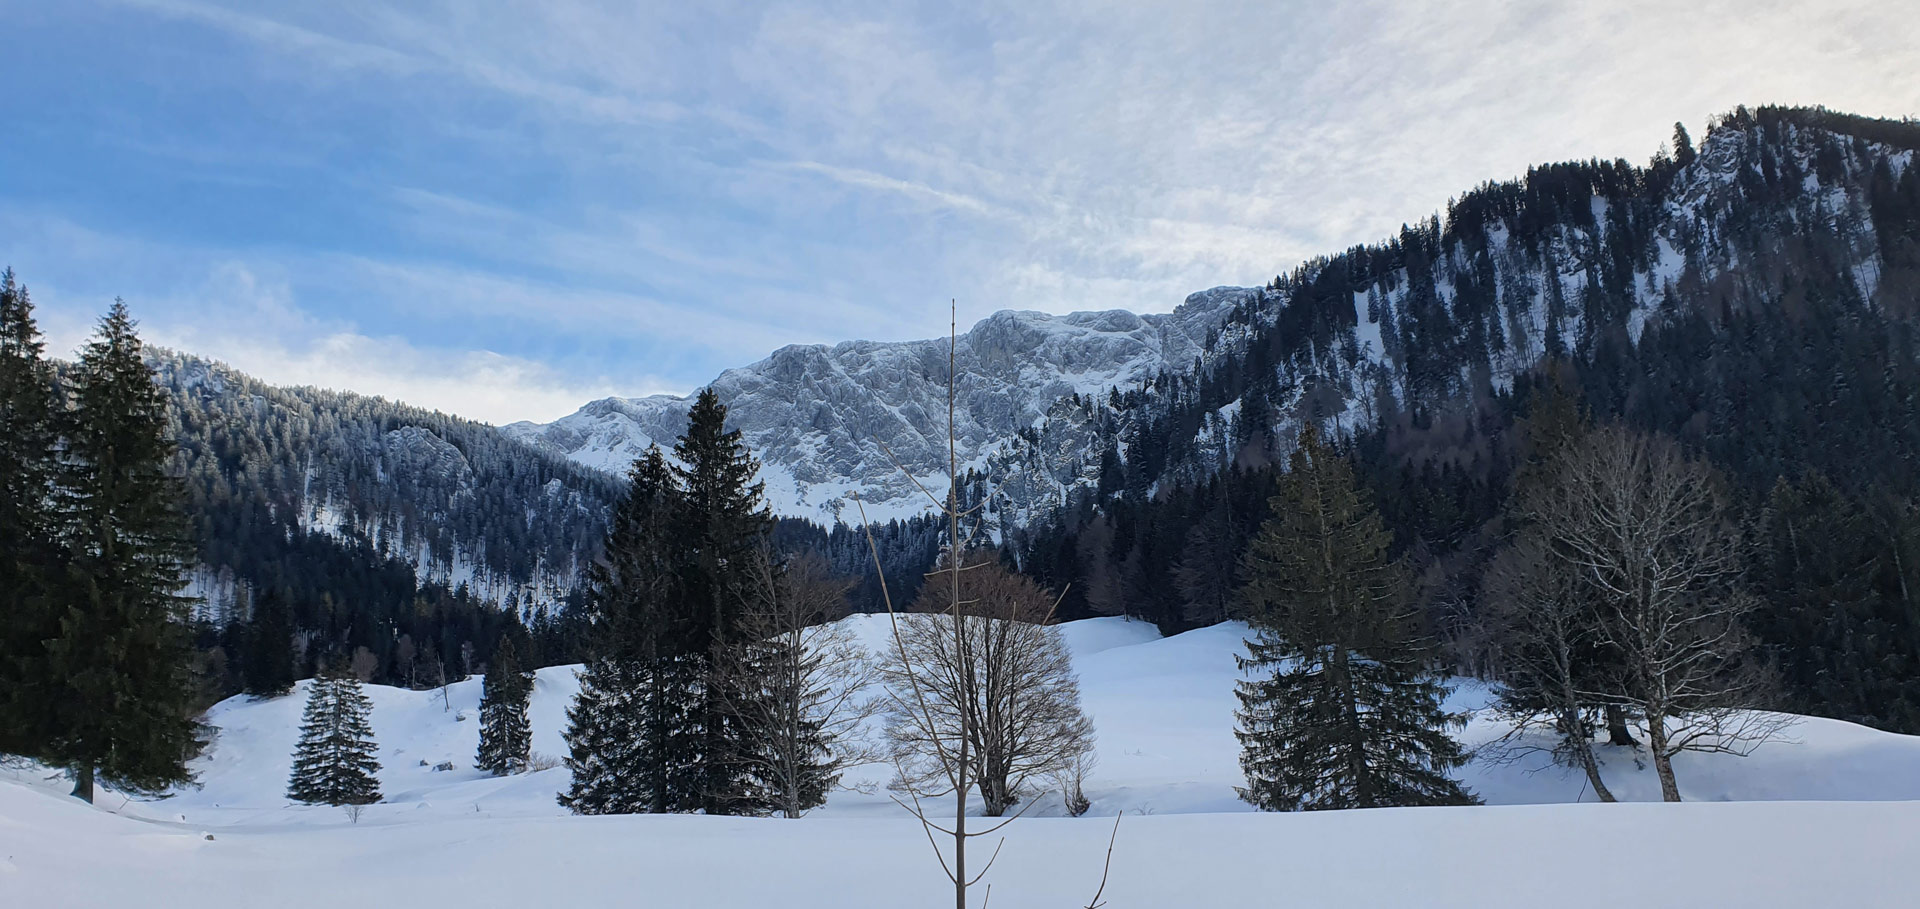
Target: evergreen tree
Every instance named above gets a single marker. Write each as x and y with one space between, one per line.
630 740
722 522
119 665
663 721
506 740
808 673
268 664
30 554
334 762
604 752
1682 145
1837 624
1349 718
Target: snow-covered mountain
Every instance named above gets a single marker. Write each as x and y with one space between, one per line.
823 419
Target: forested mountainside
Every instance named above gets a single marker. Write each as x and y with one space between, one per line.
1756 298
465 507
371 519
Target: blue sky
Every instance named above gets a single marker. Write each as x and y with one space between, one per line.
506 209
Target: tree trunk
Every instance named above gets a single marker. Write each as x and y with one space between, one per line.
994 801
1350 715
1580 736
1617 731
1662 761
83 784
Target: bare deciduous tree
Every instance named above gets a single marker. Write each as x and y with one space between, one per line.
916 698
1651 533
1072 780
1008 674
364 664
1543 633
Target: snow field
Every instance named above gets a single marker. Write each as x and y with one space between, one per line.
1816 821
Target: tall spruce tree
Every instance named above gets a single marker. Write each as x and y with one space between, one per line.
630 740
604 754
506 739
122 691
722 522
334 762
267 666
30 551
1348 718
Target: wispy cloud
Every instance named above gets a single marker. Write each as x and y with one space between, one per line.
865 179
276 34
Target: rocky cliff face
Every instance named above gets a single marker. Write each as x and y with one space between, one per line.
823 419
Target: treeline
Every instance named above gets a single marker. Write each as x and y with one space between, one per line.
906 549
1794 374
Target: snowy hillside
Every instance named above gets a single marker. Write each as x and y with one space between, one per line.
818 416
1163 710
346 478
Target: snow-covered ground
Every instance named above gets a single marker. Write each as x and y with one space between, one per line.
1818 820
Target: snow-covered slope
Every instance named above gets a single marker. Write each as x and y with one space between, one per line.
1163 710
822 419
54 852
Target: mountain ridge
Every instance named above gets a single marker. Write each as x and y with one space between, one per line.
822 417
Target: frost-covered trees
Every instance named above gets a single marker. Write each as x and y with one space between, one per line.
334 762
506 739
272 472
1007 673
1349 717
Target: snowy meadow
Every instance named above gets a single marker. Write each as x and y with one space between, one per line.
1825 816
